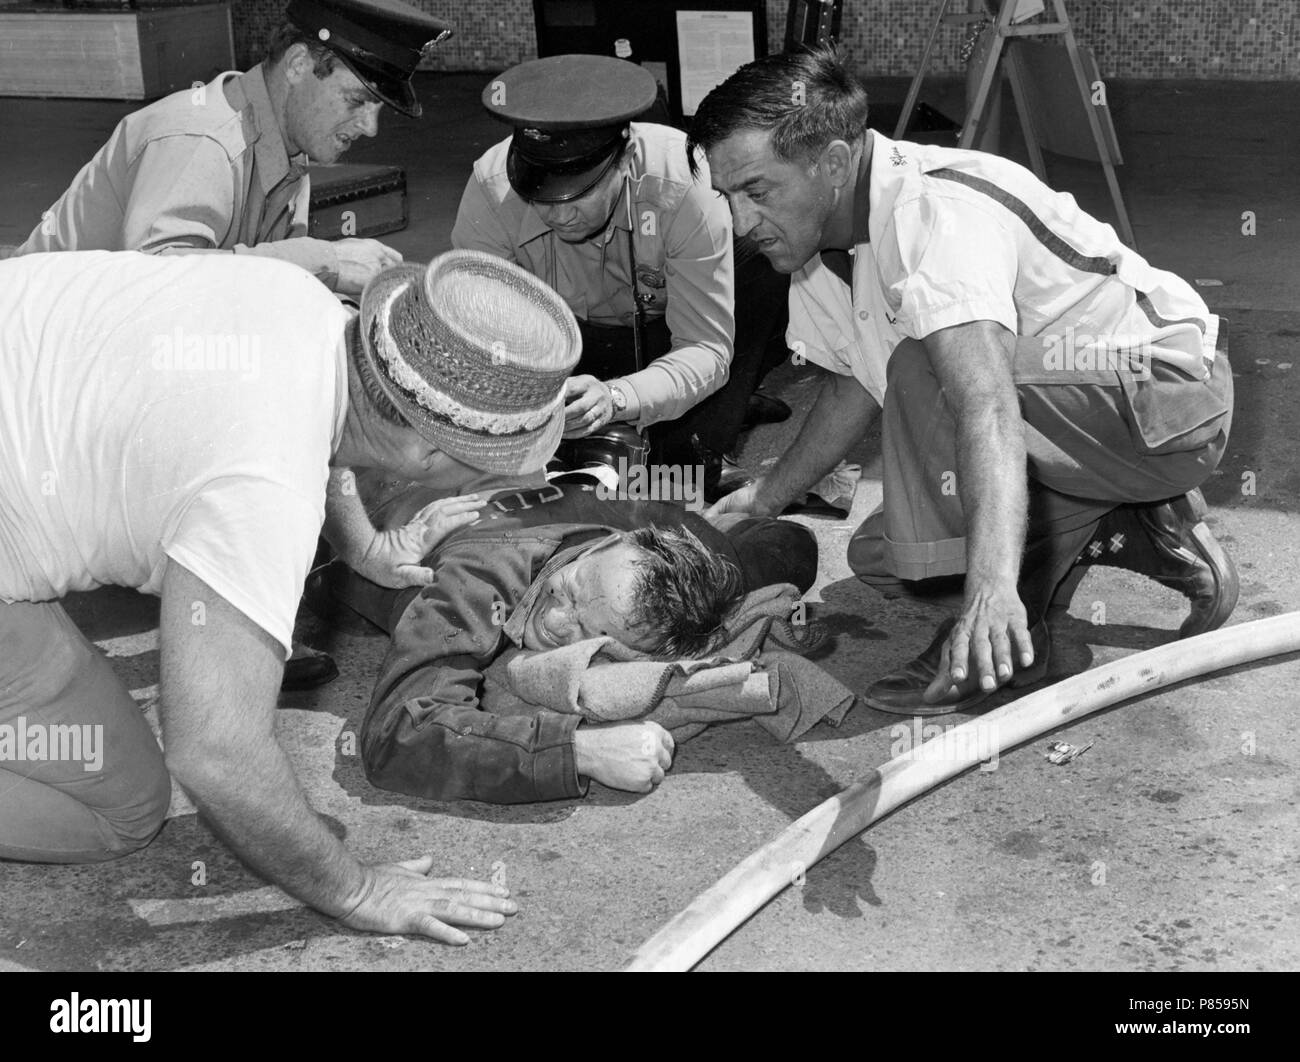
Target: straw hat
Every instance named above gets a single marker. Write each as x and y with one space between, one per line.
474 351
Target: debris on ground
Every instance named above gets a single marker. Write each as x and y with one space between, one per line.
1061 752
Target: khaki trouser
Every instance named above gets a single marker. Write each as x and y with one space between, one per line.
1094 439
81 777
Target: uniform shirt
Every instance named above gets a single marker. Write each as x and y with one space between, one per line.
682 233
166 407
951 236
193 173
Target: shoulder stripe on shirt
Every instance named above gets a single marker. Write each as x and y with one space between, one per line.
1144 304
1036 225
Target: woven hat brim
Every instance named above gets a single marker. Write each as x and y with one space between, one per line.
520 452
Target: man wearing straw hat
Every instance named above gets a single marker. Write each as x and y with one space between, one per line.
169 424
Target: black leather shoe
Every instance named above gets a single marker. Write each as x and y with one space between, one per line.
764 409
902 692
721 477
1170 543
308 672
730 479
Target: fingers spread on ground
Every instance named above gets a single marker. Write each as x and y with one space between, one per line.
1025 643
1002 654
469 885
478 900
983 653
431 927
463 914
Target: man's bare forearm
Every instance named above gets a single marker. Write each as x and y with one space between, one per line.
251 796
991 483
973 363
218 691
839 418
347 525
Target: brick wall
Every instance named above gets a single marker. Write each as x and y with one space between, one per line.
1240 39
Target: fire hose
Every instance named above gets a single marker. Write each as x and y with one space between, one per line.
717 911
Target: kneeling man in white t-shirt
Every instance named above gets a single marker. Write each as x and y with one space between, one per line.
184 426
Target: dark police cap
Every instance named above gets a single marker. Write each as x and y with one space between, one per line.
381 41
570 114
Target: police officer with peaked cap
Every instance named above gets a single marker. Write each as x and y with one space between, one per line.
223 166
604 209
381 41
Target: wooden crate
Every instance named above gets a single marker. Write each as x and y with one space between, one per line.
122 55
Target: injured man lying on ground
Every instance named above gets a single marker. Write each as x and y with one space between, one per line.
568 636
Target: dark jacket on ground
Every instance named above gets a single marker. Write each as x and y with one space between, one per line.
425 733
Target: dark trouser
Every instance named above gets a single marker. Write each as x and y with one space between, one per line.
762 310
1095 439
770 551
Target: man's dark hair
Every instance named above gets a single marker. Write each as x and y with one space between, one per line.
683 592
805 99
375 396
287 35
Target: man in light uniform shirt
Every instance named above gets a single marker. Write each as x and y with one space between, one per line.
1003 331
223 166
572 196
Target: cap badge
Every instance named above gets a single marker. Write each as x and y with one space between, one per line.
537 134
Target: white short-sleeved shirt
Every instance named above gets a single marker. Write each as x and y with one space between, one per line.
166 407
959 236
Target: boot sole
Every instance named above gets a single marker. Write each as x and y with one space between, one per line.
926 709
1221 565
1225 577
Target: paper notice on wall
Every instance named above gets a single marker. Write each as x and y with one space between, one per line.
1027 9
711 46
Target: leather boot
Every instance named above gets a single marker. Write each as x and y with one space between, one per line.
721 474
308 670
902 692
1169 542
764 409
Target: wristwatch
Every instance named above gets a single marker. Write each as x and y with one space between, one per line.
619 399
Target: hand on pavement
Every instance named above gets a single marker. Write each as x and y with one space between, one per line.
402 898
